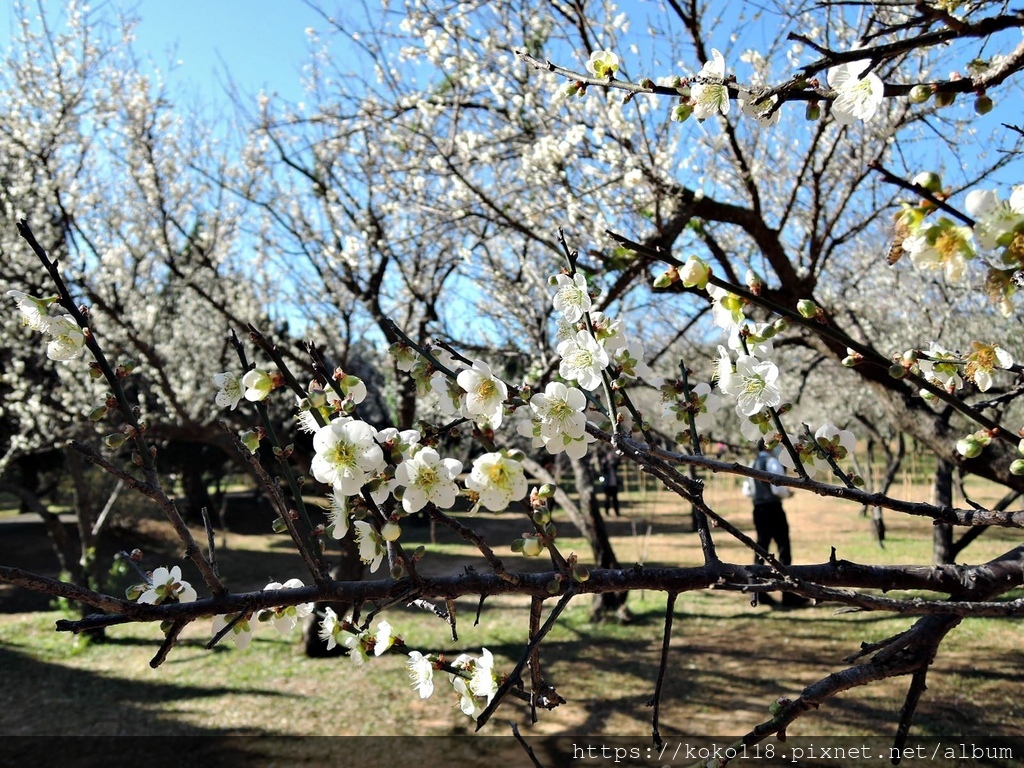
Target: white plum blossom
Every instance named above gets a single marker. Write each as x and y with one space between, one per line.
942 246
708 92
485 393
241 631
756 343
330 629
33 311
857 97
67 341
258 385
630 359
982 361
498 480
476 692
560 410
166 584
583 359
940 367
347 455
371 546
571 297
286 617
995 220
608 332
428 479
421 671
383 639
484 682
229 389
602 64
703 404
754 385
764 112
337 514
358 651
726 307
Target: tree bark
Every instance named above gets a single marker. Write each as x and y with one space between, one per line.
942 536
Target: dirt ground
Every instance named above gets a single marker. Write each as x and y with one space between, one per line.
729 657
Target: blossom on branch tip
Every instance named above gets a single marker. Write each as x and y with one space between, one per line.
428 479
229 389
330 629
33 311
285 617
485 393
982 361
384 639
995 221
583 359
347 455
940 367
856 97
602 64
421 671
498 480
258 385
942 246
571 297
241 632
371 546
167 584
560 410
67 341
754 385
709 94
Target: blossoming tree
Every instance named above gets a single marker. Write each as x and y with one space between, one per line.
670 187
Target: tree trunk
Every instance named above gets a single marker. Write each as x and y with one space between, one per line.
92 572
942 536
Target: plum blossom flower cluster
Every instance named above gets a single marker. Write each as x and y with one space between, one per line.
66 339
939 244
242 626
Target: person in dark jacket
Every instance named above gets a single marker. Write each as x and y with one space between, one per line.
770 523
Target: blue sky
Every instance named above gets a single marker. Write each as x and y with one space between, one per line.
262 43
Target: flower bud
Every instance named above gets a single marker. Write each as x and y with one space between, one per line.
532 546
898 372
813 111
1017 467
279 526
580 572
517 545
983 105
542 516
250 440
390 531
694 273
554 587
944 99
114 440
807 308
681 113
666 278
781 325
98 413
969 447
929 180
919 94
546 491
850 361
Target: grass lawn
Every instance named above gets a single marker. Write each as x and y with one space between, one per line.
729 661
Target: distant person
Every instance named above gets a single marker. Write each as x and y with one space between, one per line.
610 481
770 521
